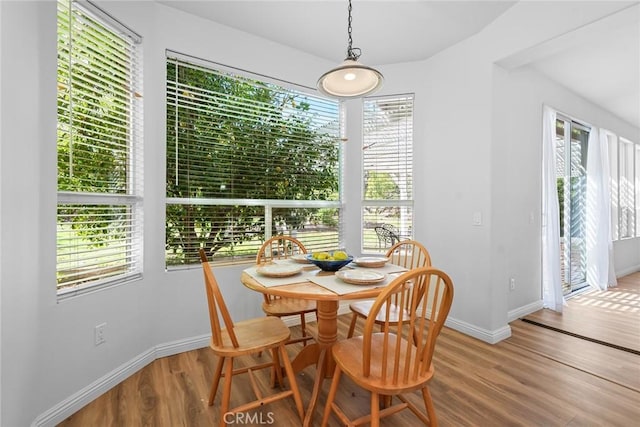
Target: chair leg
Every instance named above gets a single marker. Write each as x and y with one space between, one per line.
428 404
386 401
276 370
226 395
375 409
352 326
332 395
216 380
303 326
293 384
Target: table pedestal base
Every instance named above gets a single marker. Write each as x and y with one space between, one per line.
319 353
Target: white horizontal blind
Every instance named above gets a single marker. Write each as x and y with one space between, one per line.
387 155
99 150
624 168
612 145
243 153
627 191
637 188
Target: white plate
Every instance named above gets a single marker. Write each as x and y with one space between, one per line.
301 258
359 277
370 261
279 270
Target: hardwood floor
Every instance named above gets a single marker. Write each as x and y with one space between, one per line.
611 316
537 377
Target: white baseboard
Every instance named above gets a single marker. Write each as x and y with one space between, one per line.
78 400
627 271
485 335
525 310
180 346
491 337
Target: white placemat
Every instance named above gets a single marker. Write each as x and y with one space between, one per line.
387 268
327 281
288 261
332 283
269 282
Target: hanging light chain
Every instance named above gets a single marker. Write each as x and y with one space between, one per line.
351 79
353 53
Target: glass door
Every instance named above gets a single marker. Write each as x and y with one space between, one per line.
571 174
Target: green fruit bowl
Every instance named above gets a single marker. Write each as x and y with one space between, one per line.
332 265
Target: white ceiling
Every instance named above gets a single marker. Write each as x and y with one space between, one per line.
600 62
388 31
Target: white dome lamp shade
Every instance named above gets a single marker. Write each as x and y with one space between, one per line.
351 79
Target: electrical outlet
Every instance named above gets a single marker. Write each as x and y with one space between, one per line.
99 334
512 284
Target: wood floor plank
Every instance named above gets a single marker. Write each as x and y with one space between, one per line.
612 364
537 377
611 316
475 384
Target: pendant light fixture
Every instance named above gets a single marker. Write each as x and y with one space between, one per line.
351 79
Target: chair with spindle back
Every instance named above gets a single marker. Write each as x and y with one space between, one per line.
283 247
230 340
389 363
408 254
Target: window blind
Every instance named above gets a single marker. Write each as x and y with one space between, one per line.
624 169
387 155
612 144
637 189
247 159
98 149
627 191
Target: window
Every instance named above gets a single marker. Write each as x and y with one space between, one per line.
98 146
624 157
246 159
387 158
612 142
571 178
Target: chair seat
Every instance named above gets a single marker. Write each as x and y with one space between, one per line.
254 335
363 308
288 307
348 355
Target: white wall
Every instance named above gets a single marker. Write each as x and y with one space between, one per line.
48 351
452 174
518 96
22 227
626 256
0 219
518 99
477 149
467 160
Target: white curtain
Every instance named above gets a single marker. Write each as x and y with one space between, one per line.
551 280
600 267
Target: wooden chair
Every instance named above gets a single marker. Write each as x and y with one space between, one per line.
408 254
282 247
242 338
388 363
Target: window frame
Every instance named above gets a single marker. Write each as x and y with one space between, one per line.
405 231
131 199
617 153
268 204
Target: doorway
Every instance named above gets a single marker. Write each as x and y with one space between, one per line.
571 178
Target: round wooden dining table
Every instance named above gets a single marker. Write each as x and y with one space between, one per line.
319 352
